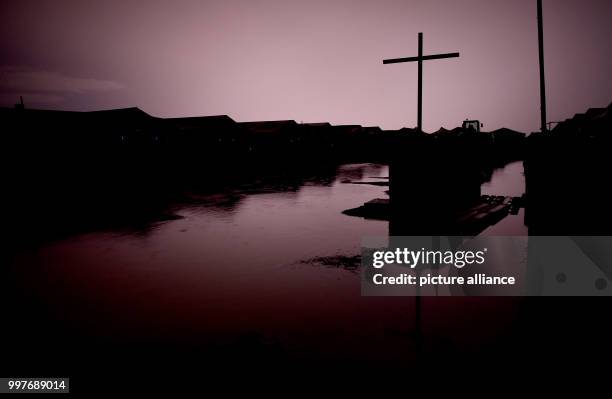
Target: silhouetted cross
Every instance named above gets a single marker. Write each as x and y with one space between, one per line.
420 60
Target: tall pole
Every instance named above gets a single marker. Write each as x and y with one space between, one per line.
420 88
542 80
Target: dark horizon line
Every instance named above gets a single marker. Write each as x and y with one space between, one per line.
139 110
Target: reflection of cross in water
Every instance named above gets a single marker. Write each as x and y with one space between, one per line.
418 329
420 58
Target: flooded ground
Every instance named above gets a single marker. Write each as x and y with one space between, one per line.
507 181
255 262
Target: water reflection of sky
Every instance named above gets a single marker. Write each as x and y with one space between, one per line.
238 261
507 181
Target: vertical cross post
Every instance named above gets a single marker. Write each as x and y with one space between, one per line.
542 80
420 88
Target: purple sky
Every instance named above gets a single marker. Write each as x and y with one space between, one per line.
312 61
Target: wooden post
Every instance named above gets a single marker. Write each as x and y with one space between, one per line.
420 89
542 80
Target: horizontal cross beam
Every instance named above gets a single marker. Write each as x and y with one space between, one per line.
424 58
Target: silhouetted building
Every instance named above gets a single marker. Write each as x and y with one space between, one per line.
567 171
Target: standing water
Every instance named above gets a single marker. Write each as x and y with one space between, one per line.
279 263
507 181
